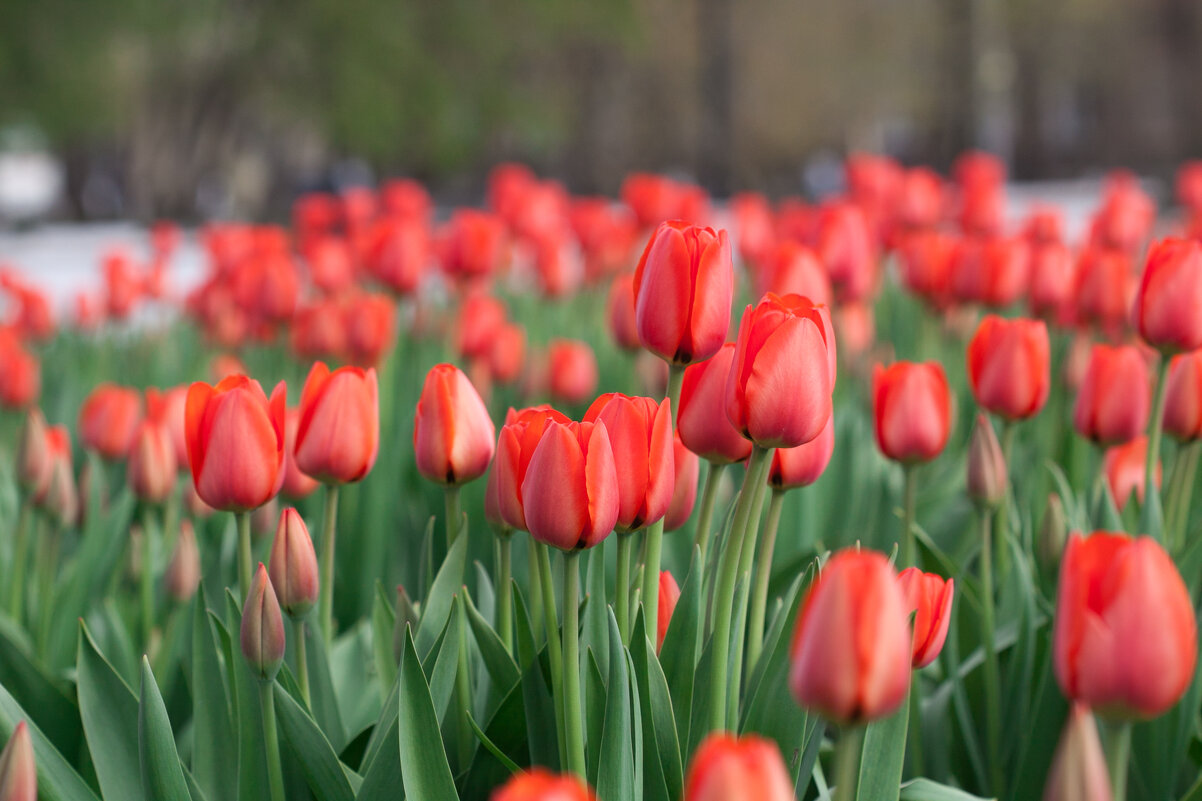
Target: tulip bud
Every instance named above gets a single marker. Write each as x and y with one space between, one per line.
293 564
1170 292
1079 771
1009 366
18 772
61 500
929 597
729 768
986 466
571 370
183 573
1053 533
33 455
539 784
107 419
338 435
262 634
406 617
150 467
912 408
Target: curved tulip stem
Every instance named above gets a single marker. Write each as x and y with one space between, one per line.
622 586
709 494
275 771
655 544
908 554
1154 428
147 577
1118 757
244 558
302 663
993 713
573 719
763 575
325 592
17 571
847 762
504 595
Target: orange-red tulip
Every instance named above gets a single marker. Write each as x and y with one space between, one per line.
929 597
845 245
519 437
1103 288
108 418
912 409
453 436
293 565
702 421
1052 274
476 244
684 492
1079 771
1125 468
793 269
991 271
1125 640
370 321
1168 304
539 784
18 772
317 331
1114 398
730 768
570 490
640 434
20 374
481 316
1183 397
338 435
399 252
803 465
169 405
925 261
507 355
235 442
1009 366
572 370
778 391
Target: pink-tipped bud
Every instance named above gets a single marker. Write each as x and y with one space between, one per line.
262 633
986 465
151 469
18 772
33 453
1079 767
294 565
183 574
1053 534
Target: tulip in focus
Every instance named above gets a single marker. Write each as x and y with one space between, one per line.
18 772
453 436
912 409
262 634
1125 467
107 420
929 597
1168 304
730 768
338 435
293 565
1113 401
515 446
640 433
539 784
1079 771
570 493
1009 366
701 419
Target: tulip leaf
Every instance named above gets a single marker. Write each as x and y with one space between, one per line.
595 631
212 727
383 622
323 772
381 766
615 772
36 689
883 754
927 790
1151 516
353 699
663 771
252 766
700 708
109 712
446 664
57 779
436 607
162 774
594 714
682 646
497 661
506 732
425 772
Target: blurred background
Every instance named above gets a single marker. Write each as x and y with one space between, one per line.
221 108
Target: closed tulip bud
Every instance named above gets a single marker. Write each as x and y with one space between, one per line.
453 436
778 391
925 262
1170 295
1053 533
108 418
293 565
795 270
1183 397
183 572
1009 366
701 420
262 634
669 594
852 648
571 370
150 469
507 355
929 597
515 446
18 771
570 491
987 471
1125 468
370 322
682 292
846 245
58 496
1125 640
1114 398
803 465
296 484
621 313
33 454
1079 771
684 492
729 768
539 784
640 433
912 409
338 435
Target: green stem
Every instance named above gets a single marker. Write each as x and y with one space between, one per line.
463 703
16 577
1187 492
504 595
275 771
847 763
675 381
573 720
655 544
722 610
325 592
763 576
1119 759
536 591
917 768
49 547
244 563
992 692
147 577
302 662
1154 429
909 553
709 494
554 654
1003 514
451 497
622 586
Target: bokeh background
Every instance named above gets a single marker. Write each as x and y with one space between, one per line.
220 108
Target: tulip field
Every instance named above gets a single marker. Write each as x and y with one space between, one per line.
660 497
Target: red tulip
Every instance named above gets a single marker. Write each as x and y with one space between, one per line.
684 492
753 226
235 442
519 437
1103 288
572 369
845 244
318 332
18 771
20 374
682 292
1079 771
481 316
1044 226
151 468
1050 293
851 650
399 252
296 485
1112 404
1125 640
652 198
640 433
1168 304
730 768
405 199
920 199
262 633
293 565
169 406
1125 467
1126 215
338 436
855 328
331 263
606 232
925 260
778 391
701 419
57 495
803 465
912 408
570 490
669 595
476 244
108 418
621 312
1009 366
1189 185
370 321
795 270
1183 397
539 784
991 271
929 597
507 355
453 436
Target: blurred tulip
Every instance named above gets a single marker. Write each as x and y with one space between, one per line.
991 271
236 442
621 312
570 490
338 435
476 244
169 406
1125 639
682 292
1052 535
845 245
669 594
702 421
150 469
778 391
1009 366
263 519
855 329
18 772
653 198
519 437
855 600
803 465
754 234
606 232
20 375
405 199
58 496
1188 186
1169 298
1113 401
987 469
1050 293
912 408
262 633
108 418
920 199
1103 288
399 252
183 571
293 565
480 317
929 597
225 365
1125 467
1183 397
925 262
572 370
640 435
1079 771
453 436
795 270
1126 215
296 484
507 355
684 492
370 321
539 784
729 768
317 331
33 462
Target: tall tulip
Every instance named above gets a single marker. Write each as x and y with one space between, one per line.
453 436
150 468
338 435
729 768
1009 366
912 409
572 370
1183 397
1169 299
929 597
294 574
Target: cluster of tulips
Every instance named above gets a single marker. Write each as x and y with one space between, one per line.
726 665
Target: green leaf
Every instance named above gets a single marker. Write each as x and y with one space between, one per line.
57 780
927 790
595 630
34 689
324 774
383 622
253 784
660 741
615 774
682 647
162 774
213 737
497 661
323 693
109 712
382 769
446 665
425 770
507 733
492 747
882 756
436 607
594 715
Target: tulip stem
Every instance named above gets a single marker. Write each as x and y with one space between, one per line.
554 655
724 592
244 566
675 382
451 496
49 552
622 586
1119 757
1154 431
302 663
147 577
16 597
463 703
917 766
655 544
701 538
993 713
536 590
574 722
763 575
1003 512
504 596
909 557
847 762
325 592
275 771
